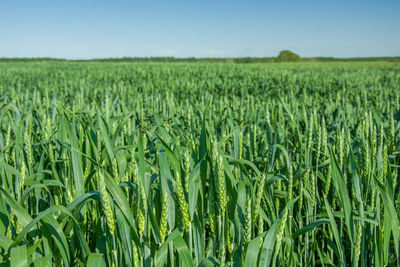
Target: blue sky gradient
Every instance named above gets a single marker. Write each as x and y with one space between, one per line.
95 29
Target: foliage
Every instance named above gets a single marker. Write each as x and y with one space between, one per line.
287 56
199 164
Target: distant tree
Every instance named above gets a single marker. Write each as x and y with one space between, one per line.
287 56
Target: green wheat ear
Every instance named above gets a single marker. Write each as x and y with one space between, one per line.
105 200
163 222
248 223
183 206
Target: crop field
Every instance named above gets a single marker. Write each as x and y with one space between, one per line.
193 164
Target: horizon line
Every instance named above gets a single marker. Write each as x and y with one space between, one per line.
193 57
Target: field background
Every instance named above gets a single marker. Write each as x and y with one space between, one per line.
240 60
181 164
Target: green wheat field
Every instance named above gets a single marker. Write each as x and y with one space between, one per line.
199 164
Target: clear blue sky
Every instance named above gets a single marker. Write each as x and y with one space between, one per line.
219 28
